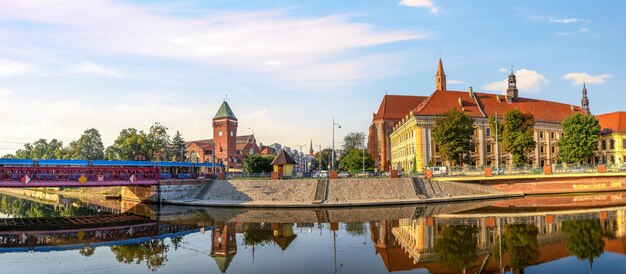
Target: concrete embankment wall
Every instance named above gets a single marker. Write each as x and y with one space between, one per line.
263 190
339 192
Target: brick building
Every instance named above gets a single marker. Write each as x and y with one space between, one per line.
227 148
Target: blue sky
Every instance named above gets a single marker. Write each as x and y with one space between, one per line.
287 67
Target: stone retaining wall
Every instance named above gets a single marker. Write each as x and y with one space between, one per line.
263 190
357 190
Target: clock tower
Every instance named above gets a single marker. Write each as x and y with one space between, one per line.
225 135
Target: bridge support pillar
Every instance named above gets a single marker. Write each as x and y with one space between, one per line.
146 194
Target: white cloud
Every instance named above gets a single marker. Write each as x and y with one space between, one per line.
222 40
583 30
528 81
561 33
503 70
578 78
568 20
12 68
91 68
454 82
420 4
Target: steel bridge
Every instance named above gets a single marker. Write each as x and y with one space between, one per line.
84 173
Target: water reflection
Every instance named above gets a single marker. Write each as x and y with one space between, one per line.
522 235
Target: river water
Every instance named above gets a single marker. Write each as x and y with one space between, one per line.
538 234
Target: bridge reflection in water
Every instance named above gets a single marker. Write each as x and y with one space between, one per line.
486 237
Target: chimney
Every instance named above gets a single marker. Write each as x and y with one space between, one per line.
471 92
498 98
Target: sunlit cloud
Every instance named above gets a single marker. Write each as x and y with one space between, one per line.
94 69
578 78
428 4
528 81
13 68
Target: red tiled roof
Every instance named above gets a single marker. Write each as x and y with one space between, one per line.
616 121
487 104
397 106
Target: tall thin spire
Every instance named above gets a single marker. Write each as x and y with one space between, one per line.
584 103
311 148
440 79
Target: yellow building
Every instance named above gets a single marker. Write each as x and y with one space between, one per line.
413 146
612 141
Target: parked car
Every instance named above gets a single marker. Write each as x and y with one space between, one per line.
575 170
322 174
439 170
364 174
343 174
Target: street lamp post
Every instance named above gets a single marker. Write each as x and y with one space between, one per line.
363 159
332 164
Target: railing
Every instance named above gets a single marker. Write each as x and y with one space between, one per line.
527 169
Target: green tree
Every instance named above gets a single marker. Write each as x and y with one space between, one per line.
314 164
178 147
8 156
354 140
456 249
584 238
581 138
353 160
129 145
453 131
520 242
254 163
517 135
323 157
40 149
89 146
156 141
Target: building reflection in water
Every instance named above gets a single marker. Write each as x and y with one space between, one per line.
439 243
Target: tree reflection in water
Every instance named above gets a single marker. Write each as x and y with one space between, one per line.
154 252
585 238
520 243
456 249
355 228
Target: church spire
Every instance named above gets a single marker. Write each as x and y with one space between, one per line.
440 79
511 91
584 103
311 148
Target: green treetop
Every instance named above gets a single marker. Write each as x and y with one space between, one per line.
581 138
453 131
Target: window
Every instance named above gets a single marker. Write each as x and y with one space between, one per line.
562 135
612 144
552 149
488 148
488 132
541 134
208 152
624 144
603 144
238 152
436 148
551 135
542 150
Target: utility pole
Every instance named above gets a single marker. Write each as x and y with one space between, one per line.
332 164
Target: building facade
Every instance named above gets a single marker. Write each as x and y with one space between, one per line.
612 141
413 147
226 147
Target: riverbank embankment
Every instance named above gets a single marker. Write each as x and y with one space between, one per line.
334 193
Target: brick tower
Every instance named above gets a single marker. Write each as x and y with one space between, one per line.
225 135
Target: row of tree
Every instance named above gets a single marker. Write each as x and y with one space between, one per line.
131 144
453 132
